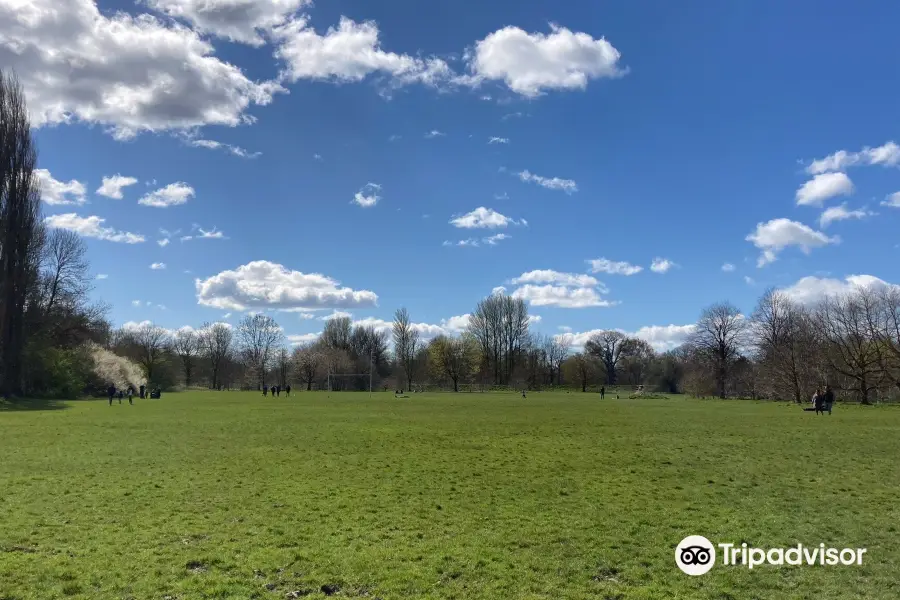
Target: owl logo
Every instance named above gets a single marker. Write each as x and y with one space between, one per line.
695 555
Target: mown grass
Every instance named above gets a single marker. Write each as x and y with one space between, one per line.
230 495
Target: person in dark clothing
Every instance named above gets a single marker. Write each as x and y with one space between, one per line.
142 390
111 391
278 390
602 392
828 399
287 390
265 390
819 402
523 393
120 394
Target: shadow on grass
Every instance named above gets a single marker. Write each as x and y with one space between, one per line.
26 404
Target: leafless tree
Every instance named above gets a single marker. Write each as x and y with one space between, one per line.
720 336
406 342
216 343
19 229
609 347
150 342
283 365
308 360
557 352
258 336
336 333
637 355
888 333
186 345
66 268
581 367
499 324
850 348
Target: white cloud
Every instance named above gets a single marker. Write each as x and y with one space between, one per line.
137 303
456 324
173 194
840 213
92 227
498 140
810 290
240 21
498 290
214 145
54 192
662 265
163 242
350 52
893 200
202 234
661 337
483 218
102 276
728 268
112 186
305 338
130 73
604 265
338 314
557 277
565 329
749 280
774 236
887 155
433 134
822 187
566 185
493 240
265 285
531 64
368 195
158 266
560 296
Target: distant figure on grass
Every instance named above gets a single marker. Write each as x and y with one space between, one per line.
818 400
120 396
287 390
278 390
523 393
265 390
602 392
828 399
111 391
142 390
130 395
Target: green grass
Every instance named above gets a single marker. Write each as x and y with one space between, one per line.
560 496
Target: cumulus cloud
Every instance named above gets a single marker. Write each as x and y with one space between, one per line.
58 193
338 314
483 218
112 186
887 155
265 285
822 187
163 242
495 239
774 236
173 194
243 21
368 195
662 265
532 63
350 52
728 268
604 265
163 77
810 290
92 227
557 277
661 338
566 185
561 296
892 201
158 266
841 213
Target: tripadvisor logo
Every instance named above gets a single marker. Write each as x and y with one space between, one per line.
696 555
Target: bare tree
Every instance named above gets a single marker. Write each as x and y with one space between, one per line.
19 229
637 356
850 348
557 353
888 333
499 324
216 342
258 335
186 345
336 333
581 367
720 336
151 342
283 365
406 342
308 360
609 347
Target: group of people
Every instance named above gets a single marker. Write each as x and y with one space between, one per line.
823 401
145 392
276 390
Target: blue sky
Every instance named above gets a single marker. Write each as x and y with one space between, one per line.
703 134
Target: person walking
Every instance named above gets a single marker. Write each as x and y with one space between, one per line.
143 391
828 399
130 395
111 391
265 390
819 401
287 390
602 392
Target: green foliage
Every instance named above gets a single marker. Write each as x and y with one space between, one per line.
61 373
230 495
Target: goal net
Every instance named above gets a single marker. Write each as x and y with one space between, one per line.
349 382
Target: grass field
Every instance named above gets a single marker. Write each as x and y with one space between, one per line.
230 495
